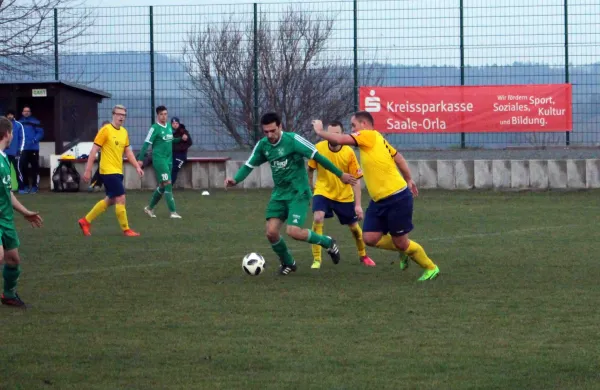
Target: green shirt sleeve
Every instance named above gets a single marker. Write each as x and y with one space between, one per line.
148 141
304 147
325 163
256 159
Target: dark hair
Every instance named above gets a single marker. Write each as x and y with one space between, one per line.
364 116
270 117
26 106
338 124
10 112
160 109
5 127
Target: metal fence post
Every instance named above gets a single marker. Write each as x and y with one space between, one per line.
462 62
255 74
355 5
566 12
55 44
152 95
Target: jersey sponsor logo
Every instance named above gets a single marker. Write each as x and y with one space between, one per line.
167 137
282 164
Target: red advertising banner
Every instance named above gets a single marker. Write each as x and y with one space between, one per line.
469 109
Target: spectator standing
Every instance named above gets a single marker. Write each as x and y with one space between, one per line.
29 162
180 149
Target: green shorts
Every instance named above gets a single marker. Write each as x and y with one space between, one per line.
294 211
10 238
162 169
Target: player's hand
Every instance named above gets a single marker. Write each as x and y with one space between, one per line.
359 212
348 179
317 125
141 164
140 171
413 187
34 218
87 175
229 182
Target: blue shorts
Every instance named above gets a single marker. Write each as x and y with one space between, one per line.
344 210
390 215
113 184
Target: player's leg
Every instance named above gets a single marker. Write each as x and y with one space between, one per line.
12 268
276 214
321 210
169 190
399 224
317 227
121 213
346 213
297 211
100 207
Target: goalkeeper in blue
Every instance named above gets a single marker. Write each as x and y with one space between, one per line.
290 200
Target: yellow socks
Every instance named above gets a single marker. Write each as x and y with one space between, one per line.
95 212
360 244
414 251
122 216
386 243
317 227
417 253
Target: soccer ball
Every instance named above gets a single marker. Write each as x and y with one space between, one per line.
253 264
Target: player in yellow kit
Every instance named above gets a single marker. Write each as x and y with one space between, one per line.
388 219
332 196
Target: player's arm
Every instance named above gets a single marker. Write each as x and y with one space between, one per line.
255 160
87 174
147 142
340 139
31 216
405 171
133 161
354 169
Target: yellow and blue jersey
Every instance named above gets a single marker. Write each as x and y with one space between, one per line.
112 143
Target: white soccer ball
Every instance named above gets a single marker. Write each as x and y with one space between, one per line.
253 264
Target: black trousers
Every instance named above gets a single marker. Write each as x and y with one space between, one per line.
178 160
29 168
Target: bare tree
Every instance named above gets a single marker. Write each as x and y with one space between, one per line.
299 77
27 32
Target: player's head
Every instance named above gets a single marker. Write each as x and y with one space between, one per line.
6 131
175 123
119 113
271 126
362 120
335 127
161 114
10 114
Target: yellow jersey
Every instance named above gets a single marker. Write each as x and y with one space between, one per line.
328 184
112 144
382 177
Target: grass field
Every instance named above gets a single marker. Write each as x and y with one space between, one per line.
515 307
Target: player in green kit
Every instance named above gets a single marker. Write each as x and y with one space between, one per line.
290 200
160 136
9 254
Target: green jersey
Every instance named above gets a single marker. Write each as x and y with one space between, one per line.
286 158
6 208
161 139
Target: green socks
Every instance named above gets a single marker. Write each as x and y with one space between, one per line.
169 196
318 239
281 249
156 196
10 276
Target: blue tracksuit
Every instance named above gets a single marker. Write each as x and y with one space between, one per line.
33 133
16 146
